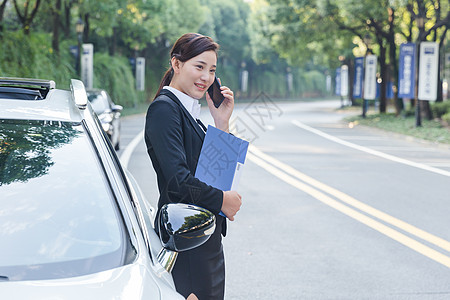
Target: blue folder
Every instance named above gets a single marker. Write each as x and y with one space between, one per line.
221 159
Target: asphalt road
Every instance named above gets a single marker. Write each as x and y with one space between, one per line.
331 210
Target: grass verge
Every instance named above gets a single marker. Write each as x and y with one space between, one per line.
432 130
139 108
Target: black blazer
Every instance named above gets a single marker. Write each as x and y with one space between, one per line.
174 141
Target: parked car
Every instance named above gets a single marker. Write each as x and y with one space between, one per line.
73 223
108 113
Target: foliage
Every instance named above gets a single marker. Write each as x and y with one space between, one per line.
446 118
229 29
297 31
26 12
142 22
116 78
31 56
320 31
440 108
268 38
314 82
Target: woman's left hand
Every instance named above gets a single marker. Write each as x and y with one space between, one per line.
222 114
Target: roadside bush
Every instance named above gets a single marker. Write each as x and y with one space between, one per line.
113 73
228 77
446 118
440 108
32 56
315 82
308 83
269 82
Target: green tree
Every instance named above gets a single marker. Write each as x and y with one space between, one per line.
437 22
377 18
298 29
163 26
320 30
100 17
27 14
298 32
226 23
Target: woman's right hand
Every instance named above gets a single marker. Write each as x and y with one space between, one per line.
232 202
222 114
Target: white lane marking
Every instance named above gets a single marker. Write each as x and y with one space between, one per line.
371 151
126 155
362 137
352 201
439 164
393 234
404 149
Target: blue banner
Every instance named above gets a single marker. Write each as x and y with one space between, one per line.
389 90
338 82
358 79
407 71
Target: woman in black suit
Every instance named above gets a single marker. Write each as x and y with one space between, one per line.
174 139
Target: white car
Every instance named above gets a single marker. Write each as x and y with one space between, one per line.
108 113
73 223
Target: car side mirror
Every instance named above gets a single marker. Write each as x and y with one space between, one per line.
182 227
117 108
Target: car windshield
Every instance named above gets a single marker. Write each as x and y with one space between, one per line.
98 101
58 217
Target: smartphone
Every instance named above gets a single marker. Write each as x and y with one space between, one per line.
215 93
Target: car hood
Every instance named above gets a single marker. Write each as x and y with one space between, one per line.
129 282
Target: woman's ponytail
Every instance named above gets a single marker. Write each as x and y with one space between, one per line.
167 78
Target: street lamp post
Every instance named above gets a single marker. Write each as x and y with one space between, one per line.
79 28
420 20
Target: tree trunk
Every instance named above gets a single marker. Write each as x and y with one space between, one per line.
250 67
441 48
392 76
393 62
2 12
67 18
56 24
113 42
86 28
427 110
383 75
351 76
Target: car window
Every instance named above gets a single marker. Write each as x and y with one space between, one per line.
58 217
99 102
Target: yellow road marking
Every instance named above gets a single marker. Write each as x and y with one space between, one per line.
280 172
353 202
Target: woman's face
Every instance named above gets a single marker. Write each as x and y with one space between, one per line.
194 76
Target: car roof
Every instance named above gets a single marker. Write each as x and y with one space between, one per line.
58 104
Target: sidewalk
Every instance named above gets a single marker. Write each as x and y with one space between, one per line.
402 146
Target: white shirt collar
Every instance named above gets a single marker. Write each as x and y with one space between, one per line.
192 105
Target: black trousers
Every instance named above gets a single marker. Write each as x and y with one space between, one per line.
202 270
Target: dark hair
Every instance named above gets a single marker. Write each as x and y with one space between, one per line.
189 45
